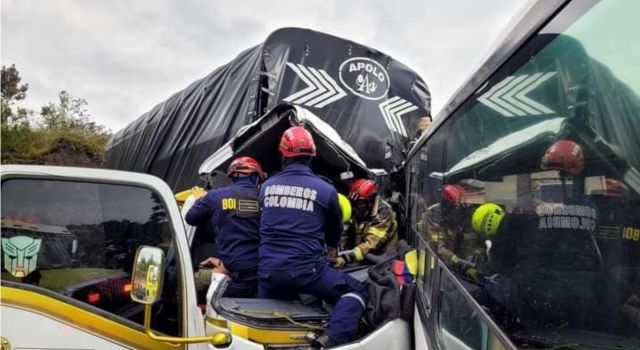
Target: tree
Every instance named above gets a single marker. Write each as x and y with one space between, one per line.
69 113
13 91
63 125
11 88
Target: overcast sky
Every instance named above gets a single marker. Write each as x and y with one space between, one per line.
125 56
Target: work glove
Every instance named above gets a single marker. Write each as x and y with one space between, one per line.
339 262
351 256
446 254
198 192
473 273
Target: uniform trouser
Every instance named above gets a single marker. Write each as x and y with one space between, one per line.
240 285
327 283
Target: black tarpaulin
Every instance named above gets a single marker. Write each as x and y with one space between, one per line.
371 100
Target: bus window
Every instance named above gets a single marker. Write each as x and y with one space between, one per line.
541 184
424 208
461 325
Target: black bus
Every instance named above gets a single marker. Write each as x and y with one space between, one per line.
523 196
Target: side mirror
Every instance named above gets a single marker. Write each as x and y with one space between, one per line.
148 273
147 276
74 246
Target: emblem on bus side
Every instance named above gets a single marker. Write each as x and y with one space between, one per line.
365 77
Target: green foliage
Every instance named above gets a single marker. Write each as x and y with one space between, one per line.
64 127
69 113
31 145
12 91
11 88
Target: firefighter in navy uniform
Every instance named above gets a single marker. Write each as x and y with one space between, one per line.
549 262
373 227
618 235
235 211
300 216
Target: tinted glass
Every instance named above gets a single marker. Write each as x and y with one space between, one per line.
541 186
425 171
426 270
79 240
461 325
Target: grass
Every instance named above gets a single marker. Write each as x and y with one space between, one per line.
27 145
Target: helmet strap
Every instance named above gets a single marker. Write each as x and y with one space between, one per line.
296 160
255 179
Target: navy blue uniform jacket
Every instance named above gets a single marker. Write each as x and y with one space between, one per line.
238 238
300 217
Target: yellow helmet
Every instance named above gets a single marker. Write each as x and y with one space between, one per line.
345 208
487 218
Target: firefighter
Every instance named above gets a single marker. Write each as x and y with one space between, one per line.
446 223
373 227
300 215
551 267
486 221
465 246
234 210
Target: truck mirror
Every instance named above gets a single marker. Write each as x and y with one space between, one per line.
74 247
148 273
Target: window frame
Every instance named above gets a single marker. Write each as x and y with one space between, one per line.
118 178
492 326
428 296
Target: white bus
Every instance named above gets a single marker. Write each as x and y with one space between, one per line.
548 130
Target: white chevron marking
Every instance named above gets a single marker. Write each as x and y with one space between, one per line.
386 117
522 96
484 99
393 113
509 97
497 97
394 108
321 89
339 92
402 112
329 89
393 120
310 87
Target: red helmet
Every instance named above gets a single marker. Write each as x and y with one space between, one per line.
453 194
614 188
362 189
245 165
563 155
297 141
